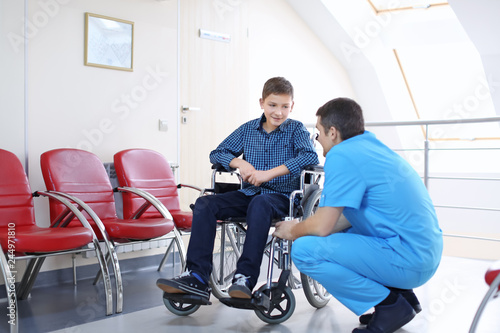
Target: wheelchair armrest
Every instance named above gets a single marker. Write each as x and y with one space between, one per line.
219 167
314 167
199 189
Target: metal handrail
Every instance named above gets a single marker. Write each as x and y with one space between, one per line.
426 150
428 123
432 122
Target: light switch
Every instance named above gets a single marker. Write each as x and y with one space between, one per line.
163 125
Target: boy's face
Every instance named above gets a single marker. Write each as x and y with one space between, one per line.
276 109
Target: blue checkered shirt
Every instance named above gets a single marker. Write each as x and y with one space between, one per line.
289 144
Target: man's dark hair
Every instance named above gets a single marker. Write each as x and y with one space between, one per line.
345 115
277 86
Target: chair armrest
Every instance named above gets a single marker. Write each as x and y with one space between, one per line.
150 200
67 203
86 208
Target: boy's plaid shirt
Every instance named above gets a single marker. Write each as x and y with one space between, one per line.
289 144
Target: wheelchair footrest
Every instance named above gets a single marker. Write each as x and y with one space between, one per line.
259 301
187 299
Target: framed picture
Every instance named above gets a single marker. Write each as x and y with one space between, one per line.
109 42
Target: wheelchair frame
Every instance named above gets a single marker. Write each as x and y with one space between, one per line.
273 302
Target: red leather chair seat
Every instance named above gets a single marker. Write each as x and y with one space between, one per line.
138 229
183 220
34 239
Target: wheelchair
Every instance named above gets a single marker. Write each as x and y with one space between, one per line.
274 302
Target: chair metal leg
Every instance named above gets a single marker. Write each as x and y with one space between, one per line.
29 277
489 294
106 277
99 272
73 261
165 256
118 274
11 294
180 247
25 278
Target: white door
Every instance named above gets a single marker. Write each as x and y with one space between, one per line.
213 83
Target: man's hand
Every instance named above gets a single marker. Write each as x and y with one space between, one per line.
284 229
322 223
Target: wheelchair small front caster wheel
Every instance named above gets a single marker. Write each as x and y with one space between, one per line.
282 305
179 307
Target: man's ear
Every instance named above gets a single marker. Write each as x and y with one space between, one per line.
335 135
332 132
261 102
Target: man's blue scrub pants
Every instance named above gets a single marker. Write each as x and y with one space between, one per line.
354 268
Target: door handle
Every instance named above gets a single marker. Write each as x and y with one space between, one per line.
186 108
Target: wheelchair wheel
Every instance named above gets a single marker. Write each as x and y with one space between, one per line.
282 305
315 293
179 308
227 250
312 203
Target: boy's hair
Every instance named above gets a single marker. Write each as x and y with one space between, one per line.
345 115
277 86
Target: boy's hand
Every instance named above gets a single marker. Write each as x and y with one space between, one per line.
246 169
259 177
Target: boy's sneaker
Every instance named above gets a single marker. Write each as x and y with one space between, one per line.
240 287
186 283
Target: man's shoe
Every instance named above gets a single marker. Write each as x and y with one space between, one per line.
240 287
389 318
408 295
186 283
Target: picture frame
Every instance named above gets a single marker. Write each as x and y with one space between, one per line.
109 42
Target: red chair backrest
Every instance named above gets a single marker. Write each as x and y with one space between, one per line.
81 174
147 170
16 201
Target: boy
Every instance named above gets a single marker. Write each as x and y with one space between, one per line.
395 242
275 149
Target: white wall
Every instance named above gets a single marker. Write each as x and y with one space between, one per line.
12 79
72 105
281 44
480 21
95 109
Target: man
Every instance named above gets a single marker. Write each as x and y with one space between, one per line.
394 244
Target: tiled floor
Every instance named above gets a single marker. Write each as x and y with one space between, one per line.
449 302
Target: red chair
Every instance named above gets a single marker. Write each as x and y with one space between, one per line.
21 238
81 177
148 170
492 278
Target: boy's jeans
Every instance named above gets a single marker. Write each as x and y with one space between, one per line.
259 211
